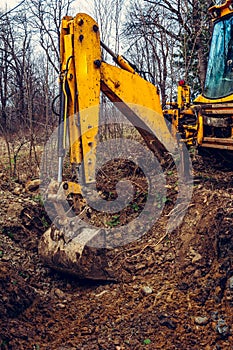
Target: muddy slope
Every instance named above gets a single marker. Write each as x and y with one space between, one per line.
179 294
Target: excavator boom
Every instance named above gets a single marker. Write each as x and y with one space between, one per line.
84 76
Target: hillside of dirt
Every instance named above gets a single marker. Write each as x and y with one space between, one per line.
178 293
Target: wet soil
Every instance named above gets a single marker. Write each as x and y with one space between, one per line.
178 293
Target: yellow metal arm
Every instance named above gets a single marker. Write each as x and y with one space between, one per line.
85 75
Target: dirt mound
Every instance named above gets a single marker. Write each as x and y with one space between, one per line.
179 294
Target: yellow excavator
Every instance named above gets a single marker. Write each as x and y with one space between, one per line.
207 122
71 245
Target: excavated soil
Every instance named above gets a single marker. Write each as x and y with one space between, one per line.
178 293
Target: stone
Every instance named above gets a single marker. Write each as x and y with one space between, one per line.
147 290
196 256
201 321
214 315
222 328
17 190
61 306
32 185
197 274
59 293
231 282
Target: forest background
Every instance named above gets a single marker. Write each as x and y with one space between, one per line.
167 41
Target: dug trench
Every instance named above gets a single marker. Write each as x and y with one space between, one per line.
178 293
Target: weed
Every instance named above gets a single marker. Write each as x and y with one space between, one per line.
114 221
6 231
38 199
135 207
10 234
24 274
44 222
161 200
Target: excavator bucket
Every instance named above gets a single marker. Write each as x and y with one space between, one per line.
76 255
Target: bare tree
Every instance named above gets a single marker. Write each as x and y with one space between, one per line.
108 15
174 36
45 18
24 102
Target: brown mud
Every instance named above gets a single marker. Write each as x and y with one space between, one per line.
176 291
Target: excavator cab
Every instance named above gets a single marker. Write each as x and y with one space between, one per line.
207 122
215 104
219 74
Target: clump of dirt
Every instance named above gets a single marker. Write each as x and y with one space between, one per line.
15 294
179 294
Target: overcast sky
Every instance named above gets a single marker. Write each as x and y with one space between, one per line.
78 5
